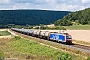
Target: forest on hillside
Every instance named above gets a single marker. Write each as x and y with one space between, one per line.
78 17
30 17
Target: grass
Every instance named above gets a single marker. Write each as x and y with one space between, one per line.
4 33
29 49
78 27
32 49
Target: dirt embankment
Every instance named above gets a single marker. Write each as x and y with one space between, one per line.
82 35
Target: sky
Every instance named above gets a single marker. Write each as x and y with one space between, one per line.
57 5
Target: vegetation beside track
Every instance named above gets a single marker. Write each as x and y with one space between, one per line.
30 49
1 55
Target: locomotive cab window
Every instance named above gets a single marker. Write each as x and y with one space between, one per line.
68 36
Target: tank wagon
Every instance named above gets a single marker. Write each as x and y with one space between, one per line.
59 37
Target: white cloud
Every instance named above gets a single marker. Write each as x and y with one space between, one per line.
85 1
19 6
69 7
65 5
4 1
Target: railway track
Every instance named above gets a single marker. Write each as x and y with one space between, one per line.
82 46
75 46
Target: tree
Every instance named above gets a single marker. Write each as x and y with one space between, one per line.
79 17
89 22
56 23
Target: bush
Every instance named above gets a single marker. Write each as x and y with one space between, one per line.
65 56
88 58
17 37
0 35
1 55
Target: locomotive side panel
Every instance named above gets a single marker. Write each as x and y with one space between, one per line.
57 37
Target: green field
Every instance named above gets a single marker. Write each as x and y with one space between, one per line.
4 33
78 27
28 49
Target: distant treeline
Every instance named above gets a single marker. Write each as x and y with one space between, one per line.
30 17
76 18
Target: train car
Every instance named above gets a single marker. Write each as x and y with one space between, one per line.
46 35
42 34
38 34
30 32
34 34
61 37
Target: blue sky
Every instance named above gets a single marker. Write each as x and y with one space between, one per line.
59 5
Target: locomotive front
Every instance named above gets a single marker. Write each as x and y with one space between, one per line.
68 38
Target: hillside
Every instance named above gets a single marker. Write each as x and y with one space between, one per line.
78 17
31 17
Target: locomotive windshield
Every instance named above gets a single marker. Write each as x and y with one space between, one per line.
68 36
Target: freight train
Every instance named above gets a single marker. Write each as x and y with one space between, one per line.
54 36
